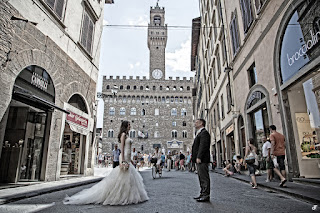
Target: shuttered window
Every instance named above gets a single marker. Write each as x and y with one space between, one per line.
87 32
234 31
247 15
57 7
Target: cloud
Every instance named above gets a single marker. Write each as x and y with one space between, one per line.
179 60
142 20
137 64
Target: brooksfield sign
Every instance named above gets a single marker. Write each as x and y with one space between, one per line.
304 49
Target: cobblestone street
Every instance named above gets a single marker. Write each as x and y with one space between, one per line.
174 193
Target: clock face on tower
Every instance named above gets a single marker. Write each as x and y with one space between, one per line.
157 74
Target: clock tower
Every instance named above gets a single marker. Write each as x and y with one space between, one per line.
157 41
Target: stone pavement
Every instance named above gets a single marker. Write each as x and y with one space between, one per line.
30 189
308 190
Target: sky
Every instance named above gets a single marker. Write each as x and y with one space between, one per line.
124 49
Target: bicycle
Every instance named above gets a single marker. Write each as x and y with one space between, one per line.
155 169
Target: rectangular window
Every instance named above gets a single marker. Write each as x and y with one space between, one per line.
223 48
87 30
214 73
214 25
252 75
218 62
218 110
222 107
247 15
156 111
234 32
229 96
57 6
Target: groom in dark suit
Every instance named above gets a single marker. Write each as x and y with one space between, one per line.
201 155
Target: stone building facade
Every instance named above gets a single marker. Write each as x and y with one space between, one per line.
159 109
49 67
273 62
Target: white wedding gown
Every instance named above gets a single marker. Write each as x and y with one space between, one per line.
118 188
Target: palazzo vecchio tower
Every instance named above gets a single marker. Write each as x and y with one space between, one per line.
159 108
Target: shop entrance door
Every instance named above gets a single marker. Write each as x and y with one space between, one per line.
260 125
32 150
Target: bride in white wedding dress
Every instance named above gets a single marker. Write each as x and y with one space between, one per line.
120 187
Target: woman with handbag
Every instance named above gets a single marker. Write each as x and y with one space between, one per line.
251 161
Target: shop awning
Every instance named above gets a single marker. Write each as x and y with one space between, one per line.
18 91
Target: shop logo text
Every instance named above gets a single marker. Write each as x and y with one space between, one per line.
304 49
39 81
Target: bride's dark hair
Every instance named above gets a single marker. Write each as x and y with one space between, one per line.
123 128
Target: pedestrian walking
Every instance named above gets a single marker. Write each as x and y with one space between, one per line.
278 151
201 155
266 152
169 160
182 157
252 161
189 161
115 156
100 159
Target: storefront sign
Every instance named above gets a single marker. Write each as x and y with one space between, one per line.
230 129
39 81
303 50
77 119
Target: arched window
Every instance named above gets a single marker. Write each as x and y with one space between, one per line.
110 133
132 133
134 87
184 123
181 88
184 134
112 111
141 87
154 87
168 88
174 134
121 87
156 134
172 99
167 99
174 88
176 99
173 112
160 87
188 88
157 20
122 111
128 87
108 86
183 112
133 111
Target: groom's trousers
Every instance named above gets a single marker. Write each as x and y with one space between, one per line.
204 179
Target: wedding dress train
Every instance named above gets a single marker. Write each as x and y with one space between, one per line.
118 188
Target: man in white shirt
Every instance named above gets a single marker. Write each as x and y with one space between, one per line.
266 149
115 156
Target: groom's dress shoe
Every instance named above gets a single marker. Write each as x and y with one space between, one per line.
196 198
203 199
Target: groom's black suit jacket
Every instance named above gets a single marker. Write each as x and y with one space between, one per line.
201 147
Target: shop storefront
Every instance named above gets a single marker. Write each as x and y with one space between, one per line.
231 148
27 124
258 115
298 62
76 149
